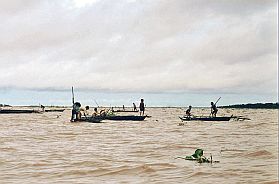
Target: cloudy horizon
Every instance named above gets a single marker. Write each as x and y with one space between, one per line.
203 49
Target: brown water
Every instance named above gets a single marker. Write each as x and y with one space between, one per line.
46 148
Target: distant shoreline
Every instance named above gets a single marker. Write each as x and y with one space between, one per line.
236 106
253 106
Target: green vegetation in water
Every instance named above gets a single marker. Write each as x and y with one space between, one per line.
198 156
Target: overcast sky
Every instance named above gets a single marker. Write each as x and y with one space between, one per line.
139 46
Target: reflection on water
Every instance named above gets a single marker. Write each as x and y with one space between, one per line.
46 148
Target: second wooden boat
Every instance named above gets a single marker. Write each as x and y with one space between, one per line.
205 118
18 111
125 118
54 110
89 119
124 111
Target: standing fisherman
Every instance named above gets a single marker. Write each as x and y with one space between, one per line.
76 111
76 108
141 107
214 109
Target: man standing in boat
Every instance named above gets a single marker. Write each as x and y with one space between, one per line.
214 109
141 107
43 108
75 111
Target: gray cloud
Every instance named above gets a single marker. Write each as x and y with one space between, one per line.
147 46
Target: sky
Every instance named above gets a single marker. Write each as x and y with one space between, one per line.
171 53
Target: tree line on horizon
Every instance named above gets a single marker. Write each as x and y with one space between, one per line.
254 106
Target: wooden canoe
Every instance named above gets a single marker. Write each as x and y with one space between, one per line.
124 111
89 119
54 110
125 118
18 111
205 118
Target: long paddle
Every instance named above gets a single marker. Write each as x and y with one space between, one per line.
96 103
73 97
217 100
73 101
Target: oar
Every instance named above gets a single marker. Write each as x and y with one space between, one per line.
96 103
73 101
217 100
73 97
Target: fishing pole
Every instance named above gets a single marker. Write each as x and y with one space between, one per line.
73 97
217 100
96 103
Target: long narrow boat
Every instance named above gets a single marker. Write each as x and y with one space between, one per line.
17 111
54 110
124 111
205 118
98 119
125 118
89 119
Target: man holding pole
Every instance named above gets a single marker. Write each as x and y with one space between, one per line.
214 109
76 108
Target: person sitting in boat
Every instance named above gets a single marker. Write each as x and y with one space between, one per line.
135 107
84 111
103 112
188 111
95 113
76 111
141 107
214 109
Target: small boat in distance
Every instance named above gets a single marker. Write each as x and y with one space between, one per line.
54 110
124 118
18 111
205 118
125 111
